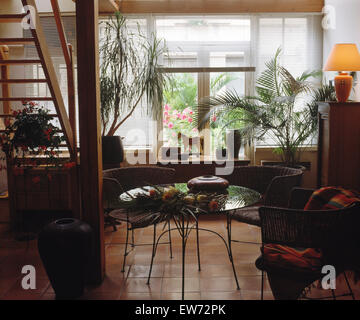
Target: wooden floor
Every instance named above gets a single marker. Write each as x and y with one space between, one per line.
214 281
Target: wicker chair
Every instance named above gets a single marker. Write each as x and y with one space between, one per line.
334 231
273 182
119 180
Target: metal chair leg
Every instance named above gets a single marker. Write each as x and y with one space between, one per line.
153 254
228 224
126 246
198 244
132 238
348 285
333 294
170 244
262 284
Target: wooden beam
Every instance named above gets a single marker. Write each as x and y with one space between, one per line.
4 54
107 6
219 6
90 128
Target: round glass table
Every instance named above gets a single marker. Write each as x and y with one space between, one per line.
237 197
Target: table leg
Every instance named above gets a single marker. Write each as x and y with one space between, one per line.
183 257
228 225
198 244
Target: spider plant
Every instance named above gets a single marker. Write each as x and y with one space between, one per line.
277 111
128 73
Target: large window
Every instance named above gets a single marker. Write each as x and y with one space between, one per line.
223 42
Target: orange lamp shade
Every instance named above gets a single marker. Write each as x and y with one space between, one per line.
343 57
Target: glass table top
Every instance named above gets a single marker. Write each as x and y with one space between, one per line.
237 197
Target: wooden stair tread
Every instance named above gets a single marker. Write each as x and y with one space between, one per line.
23 80
20 61
27 99
16 40
2 115
12 18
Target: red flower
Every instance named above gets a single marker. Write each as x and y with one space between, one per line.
36 179
213 205
152 193
69 165
15 113
7 122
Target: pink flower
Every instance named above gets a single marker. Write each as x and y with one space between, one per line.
166 114
191 112
170 125
165 121
167 107
186 110
179 115
213 119
173 134
184 116
190 120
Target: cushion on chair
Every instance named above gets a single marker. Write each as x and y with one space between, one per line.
311 259
249 215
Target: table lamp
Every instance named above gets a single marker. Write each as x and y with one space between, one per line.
343 57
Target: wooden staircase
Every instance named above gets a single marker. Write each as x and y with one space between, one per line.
67 121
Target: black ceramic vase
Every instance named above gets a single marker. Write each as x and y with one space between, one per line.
112 151
66 248
233 142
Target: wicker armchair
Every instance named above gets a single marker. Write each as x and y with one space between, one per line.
273 182
119 180
333 231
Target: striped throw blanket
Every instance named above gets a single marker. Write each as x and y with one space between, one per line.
327 198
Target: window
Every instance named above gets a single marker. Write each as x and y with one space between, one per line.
204 42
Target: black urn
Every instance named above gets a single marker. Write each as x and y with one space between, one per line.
112 151
66 248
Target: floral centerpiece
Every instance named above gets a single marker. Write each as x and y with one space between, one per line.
164 203
30 139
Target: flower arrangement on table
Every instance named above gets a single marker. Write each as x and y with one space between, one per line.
169 202
30 140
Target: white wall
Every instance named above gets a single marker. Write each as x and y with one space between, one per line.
347 30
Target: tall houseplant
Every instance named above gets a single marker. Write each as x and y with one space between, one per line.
277 111
129 76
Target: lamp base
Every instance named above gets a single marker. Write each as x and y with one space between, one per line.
343 85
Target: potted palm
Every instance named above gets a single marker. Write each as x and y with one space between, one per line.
129 76
277 111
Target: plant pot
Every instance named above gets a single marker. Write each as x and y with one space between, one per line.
170 153
221 154
234 146
66 248
112 151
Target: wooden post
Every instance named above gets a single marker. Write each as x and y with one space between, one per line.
90 128
4 54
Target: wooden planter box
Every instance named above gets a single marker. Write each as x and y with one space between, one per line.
57 194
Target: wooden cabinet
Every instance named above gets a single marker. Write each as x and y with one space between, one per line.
339 145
